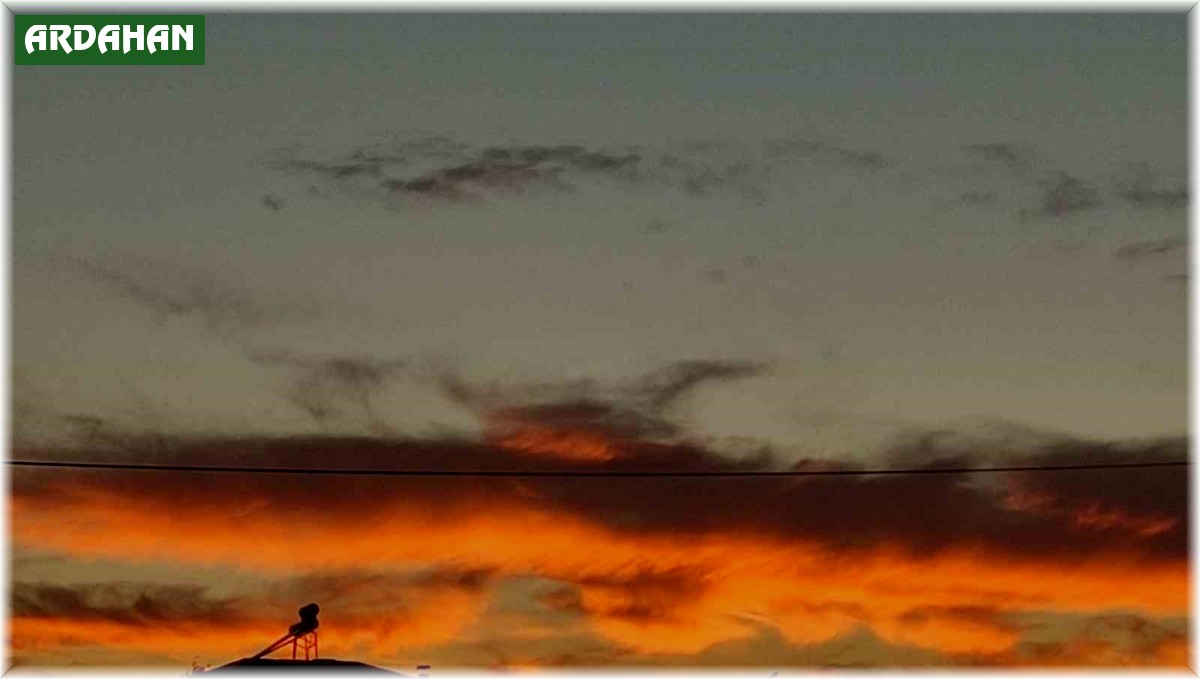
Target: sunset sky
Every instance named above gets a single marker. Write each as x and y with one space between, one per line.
598 242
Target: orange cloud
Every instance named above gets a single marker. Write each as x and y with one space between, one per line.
383 613
650 591
569 444
654 567
1090 514
1097 516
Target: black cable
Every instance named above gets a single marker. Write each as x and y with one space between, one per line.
580 473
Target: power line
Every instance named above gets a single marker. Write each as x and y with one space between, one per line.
580 473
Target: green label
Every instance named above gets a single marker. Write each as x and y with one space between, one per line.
109 39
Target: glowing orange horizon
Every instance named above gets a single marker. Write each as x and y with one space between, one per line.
651 592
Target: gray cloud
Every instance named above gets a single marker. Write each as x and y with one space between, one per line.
1141 186
1012 156
102 433
634 410
155 300
658 225
670 384
1105 640
453 172
814 149
332 388
131 604
1149 249
519 167
1064 195
1061 193
444 169
334 169
374 161
700 176
219 306
468 180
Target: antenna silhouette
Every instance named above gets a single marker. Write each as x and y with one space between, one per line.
302 634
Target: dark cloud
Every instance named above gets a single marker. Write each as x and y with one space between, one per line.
851 512
1065 514
518 168
588 426
157 301
330 388
636 410
634 555
705 181
670 384
567 156
584 425
454 172
351 591
1010 155
705 177
603 418
628 556
842 155
218 305
125 603
104 434
469 180
371 162
451 171
338 169
1063 195
658 226
715 167
1149 248
870 160
91 428
1145 501
1141 186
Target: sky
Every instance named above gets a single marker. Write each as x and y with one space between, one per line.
608 242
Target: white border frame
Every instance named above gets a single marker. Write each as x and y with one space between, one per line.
279 6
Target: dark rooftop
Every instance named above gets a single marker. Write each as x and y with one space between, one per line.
322 664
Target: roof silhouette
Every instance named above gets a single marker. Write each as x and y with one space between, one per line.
320 664
304 631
